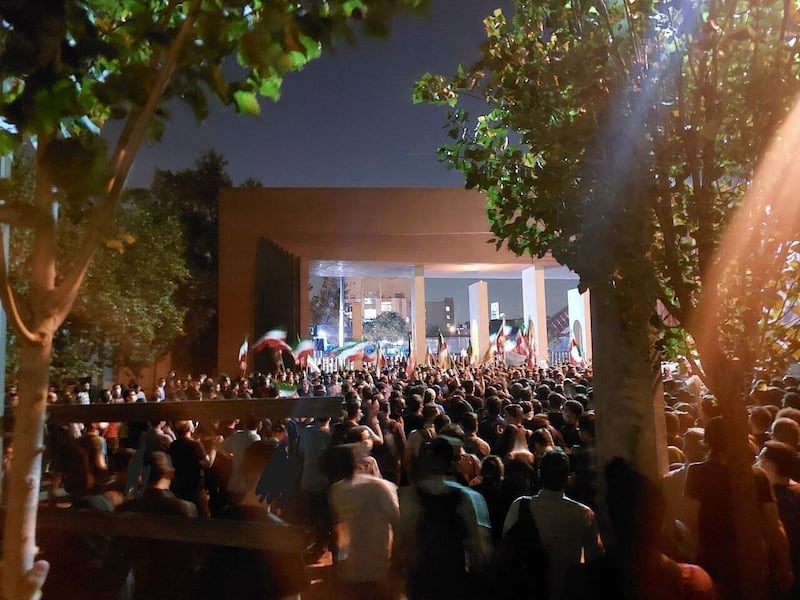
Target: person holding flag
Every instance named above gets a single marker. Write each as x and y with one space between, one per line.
242 356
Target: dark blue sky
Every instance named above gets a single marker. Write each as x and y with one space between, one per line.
347 119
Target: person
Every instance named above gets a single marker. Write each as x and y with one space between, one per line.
709 517
366 512
234 446
233 573
635 566
161 570
443 544
781 463
190 458
315 444
489 484
568 529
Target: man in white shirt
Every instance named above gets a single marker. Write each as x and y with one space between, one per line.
568 529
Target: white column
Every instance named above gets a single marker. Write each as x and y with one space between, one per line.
587 329
479 317
418 313
358 327
577 305
534 307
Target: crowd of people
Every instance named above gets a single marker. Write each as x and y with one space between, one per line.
429 486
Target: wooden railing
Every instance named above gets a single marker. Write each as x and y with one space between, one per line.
262 535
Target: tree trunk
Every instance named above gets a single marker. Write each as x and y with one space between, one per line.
627 386
19 543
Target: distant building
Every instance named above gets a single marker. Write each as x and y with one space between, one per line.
440 316
379 296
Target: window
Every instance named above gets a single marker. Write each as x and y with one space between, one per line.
386 306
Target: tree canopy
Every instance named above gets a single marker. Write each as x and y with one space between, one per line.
607 131
386 326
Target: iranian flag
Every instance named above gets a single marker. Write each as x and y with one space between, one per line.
275 339
531 345
285 389
371 353
350 352
411 362
442 353
575 355
500 340
242 356
303 350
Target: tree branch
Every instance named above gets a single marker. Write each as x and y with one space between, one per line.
64 294
8 297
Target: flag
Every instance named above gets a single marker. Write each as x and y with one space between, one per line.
371 352
285 389
350 352
470 352
242 357
487 356
303 350
442 354
275 339
411 361
429 357
531 344
575 356
311 364
500 340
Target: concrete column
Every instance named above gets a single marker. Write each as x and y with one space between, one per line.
479 317
534 308
358 326
418 313
577 305
305 301
587 330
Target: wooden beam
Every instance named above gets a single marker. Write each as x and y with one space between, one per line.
274 408
261 535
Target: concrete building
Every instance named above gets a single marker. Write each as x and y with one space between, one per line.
273 240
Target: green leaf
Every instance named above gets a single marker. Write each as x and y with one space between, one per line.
247 102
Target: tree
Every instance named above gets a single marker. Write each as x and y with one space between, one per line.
325 304
621 137
193 194
386 326
67 69
125 312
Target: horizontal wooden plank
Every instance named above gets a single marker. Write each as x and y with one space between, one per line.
221 532
274 408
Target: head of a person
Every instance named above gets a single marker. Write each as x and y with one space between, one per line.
694 448
714 436
160 465
572 410
786 430
361 434
492 469
542 440
435 459
779 460
554 470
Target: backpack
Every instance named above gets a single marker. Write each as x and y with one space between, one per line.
439 566
521 561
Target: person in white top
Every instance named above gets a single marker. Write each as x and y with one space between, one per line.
366 513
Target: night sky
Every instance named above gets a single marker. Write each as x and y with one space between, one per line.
347 119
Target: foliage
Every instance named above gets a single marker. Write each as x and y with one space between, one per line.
326 302
386 326
193 195
621 137
125 313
